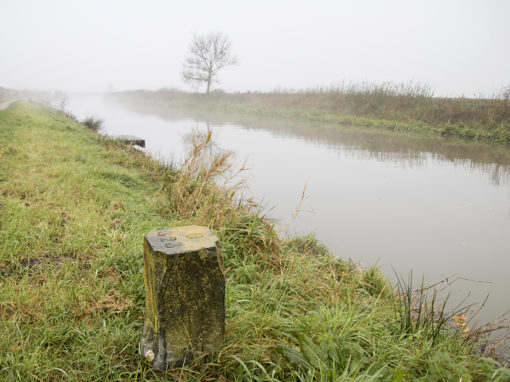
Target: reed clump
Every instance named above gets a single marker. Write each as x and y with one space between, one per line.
206 189
196 192
93 123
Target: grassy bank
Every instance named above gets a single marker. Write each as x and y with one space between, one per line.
74 207
402 109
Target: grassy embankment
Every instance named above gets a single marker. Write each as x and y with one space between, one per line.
74 207
397 108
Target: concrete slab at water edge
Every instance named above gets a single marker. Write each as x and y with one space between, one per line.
130 140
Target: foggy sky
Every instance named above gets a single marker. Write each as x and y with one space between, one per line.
458 47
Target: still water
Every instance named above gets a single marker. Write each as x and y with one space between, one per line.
439 208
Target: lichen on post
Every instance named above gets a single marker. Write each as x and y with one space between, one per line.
184 295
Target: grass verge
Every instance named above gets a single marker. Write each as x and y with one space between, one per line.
74 207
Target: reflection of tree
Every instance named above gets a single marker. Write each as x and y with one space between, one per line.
212 148
498 173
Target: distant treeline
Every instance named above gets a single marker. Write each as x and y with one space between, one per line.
42 96
408 107
3 93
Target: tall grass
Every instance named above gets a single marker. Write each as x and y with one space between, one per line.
421 312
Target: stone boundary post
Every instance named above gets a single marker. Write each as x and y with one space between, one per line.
184 295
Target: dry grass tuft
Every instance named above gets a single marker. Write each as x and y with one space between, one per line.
207 186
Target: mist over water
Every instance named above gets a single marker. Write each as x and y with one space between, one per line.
439 208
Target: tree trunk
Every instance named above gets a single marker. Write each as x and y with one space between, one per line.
209 80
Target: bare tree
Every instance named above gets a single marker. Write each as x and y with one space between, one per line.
207 55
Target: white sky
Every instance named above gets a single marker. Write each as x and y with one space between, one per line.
458 47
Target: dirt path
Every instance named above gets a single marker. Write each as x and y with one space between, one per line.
5 105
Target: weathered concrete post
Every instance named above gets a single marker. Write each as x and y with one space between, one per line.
184 295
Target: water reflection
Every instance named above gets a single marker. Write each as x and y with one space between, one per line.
408 150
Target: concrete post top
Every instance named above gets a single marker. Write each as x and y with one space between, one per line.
179 240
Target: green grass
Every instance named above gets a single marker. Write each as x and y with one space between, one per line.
74 207
397 108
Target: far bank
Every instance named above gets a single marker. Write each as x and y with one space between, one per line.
400 111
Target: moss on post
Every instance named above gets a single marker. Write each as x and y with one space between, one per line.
184 295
